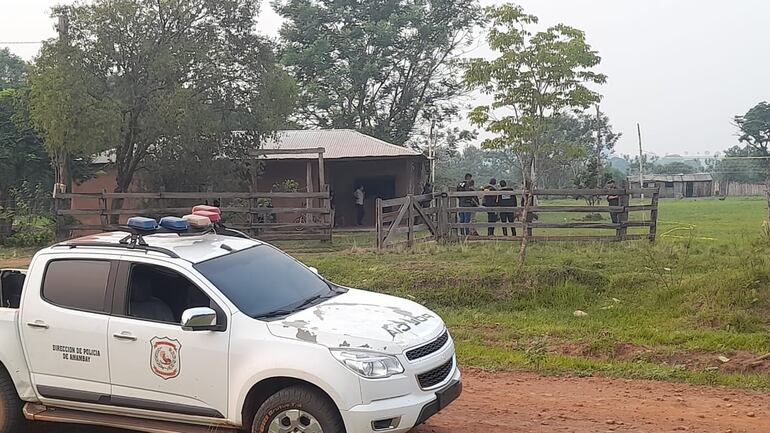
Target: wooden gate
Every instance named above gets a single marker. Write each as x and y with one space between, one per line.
413 215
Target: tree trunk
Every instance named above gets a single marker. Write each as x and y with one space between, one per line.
123 182
527 196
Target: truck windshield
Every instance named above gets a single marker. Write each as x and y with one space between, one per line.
262 281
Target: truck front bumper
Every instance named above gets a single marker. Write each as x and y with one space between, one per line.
401 414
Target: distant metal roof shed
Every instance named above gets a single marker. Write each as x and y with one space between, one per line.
338 144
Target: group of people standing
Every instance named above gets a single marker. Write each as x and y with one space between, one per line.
501 200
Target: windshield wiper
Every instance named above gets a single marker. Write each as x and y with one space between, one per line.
273 314
305 303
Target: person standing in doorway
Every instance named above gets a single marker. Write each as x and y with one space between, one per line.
358 199
507 200
465 217
491 201
613 200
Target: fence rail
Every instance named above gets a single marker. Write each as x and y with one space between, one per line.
296 215
451 215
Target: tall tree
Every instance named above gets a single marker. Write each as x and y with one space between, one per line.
23 159
378 65
12 69
536 76
754 130
146 74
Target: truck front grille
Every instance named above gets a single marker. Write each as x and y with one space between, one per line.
433 377
429 348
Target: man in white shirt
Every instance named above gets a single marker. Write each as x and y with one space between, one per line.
358 199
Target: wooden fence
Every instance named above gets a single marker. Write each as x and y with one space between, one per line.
736 189
441 219
267 216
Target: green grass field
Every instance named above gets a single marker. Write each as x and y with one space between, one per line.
663 311
666 311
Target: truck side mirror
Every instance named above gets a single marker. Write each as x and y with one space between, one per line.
314 270
199 319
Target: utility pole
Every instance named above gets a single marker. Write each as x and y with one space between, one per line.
641 155
599 148
63 177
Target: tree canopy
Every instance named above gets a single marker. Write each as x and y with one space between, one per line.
377 66
537 76
12 69
24 163
133 76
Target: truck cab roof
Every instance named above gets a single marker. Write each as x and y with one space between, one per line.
194 248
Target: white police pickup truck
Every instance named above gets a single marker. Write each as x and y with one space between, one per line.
182 332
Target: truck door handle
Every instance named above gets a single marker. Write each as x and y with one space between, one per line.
38 324
125 337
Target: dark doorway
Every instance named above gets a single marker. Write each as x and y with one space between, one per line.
689 189
375 187
383 187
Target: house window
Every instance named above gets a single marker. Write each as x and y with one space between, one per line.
669 184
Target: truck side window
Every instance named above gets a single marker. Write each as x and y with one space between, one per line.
161 295
77 284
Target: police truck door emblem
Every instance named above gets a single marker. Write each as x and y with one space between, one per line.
164 357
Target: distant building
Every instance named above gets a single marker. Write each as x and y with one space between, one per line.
350 159
678 185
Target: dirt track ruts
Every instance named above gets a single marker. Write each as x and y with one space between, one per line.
527 403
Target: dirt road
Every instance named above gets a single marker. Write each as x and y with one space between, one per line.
526 403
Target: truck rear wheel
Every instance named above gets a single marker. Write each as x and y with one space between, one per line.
11 417
297 409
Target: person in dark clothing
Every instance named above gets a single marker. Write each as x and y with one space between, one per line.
507 200
491 201
474 202
613 200
465 217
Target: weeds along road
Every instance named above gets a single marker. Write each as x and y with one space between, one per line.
527 403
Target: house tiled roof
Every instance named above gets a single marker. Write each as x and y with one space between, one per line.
338 143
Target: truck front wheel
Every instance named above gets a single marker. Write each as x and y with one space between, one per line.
297 409
11 418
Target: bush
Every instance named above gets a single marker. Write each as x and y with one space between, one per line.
31 237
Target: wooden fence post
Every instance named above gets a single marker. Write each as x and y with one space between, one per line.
410 222
625 201
103 218
654 216
379 223
442 217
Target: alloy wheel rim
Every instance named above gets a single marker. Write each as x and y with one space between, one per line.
294 421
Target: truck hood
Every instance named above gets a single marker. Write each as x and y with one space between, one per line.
363 320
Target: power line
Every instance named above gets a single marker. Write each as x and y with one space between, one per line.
21 42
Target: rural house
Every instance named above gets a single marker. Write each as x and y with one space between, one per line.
677 185
349 158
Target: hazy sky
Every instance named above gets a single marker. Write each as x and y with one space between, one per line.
682 68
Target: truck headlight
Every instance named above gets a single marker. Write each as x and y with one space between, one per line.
370 365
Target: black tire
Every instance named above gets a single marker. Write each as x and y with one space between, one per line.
11 418
303 398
